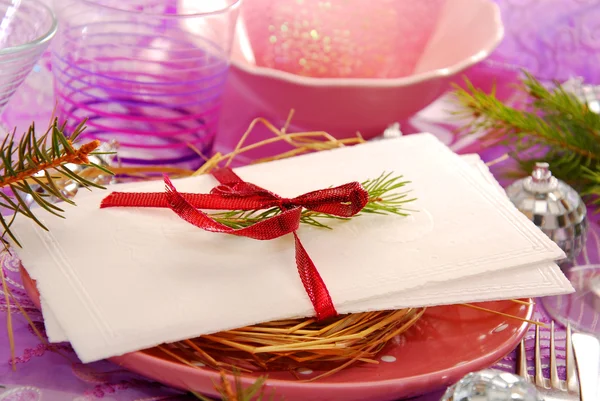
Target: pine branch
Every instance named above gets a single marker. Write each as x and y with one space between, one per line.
593 188
27 166
237 392
552 125
383 199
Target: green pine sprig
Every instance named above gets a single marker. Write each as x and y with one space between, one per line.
30 166
384 198
550 124
254 392
592 189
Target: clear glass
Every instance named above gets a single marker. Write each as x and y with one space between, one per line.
148 74
26 28
582 308
491 385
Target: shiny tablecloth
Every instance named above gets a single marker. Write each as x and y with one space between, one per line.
552 38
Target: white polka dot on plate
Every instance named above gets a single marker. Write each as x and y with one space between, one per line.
198 364
305 371
388 358
500 328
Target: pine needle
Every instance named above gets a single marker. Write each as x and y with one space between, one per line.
27 166
9 325
551 125
228 393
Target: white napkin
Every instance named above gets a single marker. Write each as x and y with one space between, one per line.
122 279
521 282
524 281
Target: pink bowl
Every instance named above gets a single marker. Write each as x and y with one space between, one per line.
466 33
340 38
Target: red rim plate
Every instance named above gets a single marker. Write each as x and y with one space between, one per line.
444 345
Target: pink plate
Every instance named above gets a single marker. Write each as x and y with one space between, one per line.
444 345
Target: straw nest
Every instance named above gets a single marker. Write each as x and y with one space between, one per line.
288 345
328 346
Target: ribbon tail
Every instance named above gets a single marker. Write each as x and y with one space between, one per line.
313 283
134 199
226 176
187 212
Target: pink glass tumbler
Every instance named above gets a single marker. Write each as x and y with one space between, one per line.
148 74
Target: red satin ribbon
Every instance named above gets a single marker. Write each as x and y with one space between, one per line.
235 194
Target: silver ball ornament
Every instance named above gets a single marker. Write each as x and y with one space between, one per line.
555 207
105 156
491 385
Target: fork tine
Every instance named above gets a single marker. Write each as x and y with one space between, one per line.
554 380
522 361
539 376
572 381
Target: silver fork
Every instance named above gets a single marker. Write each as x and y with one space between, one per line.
551 389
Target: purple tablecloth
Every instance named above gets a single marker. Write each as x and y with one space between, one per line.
552 38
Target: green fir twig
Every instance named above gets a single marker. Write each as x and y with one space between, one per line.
30 166
237 392
551 124
384 198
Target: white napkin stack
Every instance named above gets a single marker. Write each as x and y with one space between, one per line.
118 280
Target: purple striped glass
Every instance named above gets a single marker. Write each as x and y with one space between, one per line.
146 73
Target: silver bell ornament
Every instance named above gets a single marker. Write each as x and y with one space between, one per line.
553 206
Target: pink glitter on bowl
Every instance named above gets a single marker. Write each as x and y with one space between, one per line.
341 39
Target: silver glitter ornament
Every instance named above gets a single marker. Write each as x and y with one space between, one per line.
555 207
491 385
107 159
68 187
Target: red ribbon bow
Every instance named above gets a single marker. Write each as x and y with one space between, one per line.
235 194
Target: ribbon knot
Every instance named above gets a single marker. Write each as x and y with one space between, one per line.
235 194
286 203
